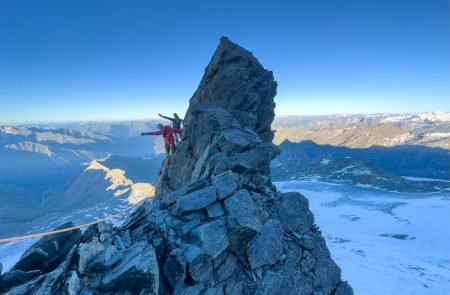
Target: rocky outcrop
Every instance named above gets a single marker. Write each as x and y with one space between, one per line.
217 225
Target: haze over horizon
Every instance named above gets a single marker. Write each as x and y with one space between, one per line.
90 61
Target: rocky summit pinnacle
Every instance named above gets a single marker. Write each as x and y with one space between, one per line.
217 226
229 116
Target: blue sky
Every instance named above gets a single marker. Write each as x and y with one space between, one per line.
101 60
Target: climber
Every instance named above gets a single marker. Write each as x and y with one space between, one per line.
168 133
176 123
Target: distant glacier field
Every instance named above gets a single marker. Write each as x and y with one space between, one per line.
384 242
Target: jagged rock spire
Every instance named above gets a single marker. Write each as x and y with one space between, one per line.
219 226
235 93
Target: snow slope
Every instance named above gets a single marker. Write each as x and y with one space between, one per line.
385 243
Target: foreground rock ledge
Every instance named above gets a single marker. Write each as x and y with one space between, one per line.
217 225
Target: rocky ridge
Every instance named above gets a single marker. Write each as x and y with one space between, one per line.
217 225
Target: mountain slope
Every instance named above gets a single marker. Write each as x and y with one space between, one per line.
220 226
363 131
381 167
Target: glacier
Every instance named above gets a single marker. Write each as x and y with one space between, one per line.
384 242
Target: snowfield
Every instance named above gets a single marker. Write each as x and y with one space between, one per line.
384 242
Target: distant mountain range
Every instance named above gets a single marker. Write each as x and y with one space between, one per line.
47 169
362 131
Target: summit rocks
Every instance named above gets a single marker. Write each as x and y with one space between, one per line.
217 224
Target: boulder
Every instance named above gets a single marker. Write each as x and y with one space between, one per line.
215 210
196 200
24 289
137 270
47 253
17 277
54 279
242 220
344 288
235 288
202 169
126 238
267 246
186 228
201 269
294 213
257 158
226 269
191 290
199 266
225 184
236 141
285 282
211 237
87 252
104 260
174 268
214 291
90 232
72 285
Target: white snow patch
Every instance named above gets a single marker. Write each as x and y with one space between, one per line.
325 161
412 178
438 135
384 242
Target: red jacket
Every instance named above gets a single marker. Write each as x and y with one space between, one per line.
167 133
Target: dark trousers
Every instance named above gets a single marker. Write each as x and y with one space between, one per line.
170 149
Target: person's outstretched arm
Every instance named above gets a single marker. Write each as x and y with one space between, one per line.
152 133
177 130
165 117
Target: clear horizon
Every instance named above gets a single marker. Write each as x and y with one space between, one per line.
157 118
116 61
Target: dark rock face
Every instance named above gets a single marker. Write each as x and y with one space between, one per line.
48 252
230 113
219 226
294 213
